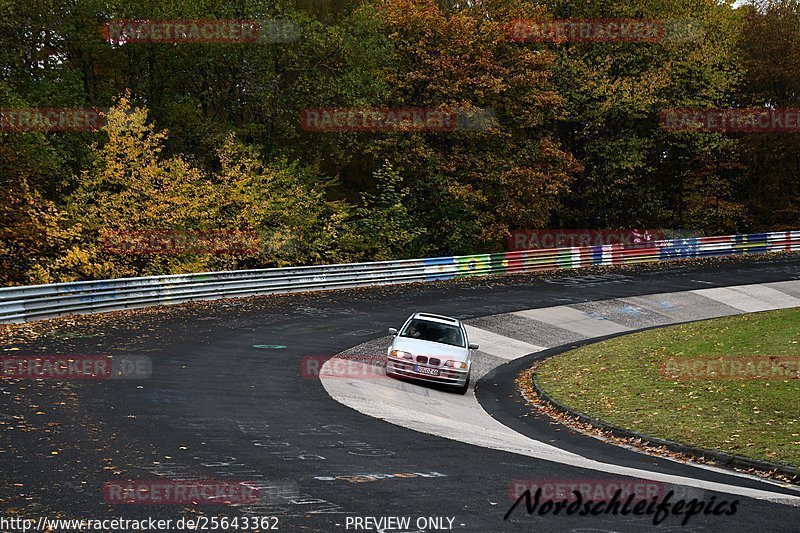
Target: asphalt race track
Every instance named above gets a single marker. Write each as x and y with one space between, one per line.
356 377
228 399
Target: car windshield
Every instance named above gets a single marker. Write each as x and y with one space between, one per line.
434 332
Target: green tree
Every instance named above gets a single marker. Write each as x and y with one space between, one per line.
383 228
285 203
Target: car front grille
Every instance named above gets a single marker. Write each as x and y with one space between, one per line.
422 359
434 362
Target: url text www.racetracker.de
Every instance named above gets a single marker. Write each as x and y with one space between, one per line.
199 523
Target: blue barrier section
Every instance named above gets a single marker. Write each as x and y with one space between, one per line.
678 248
439 268
596 255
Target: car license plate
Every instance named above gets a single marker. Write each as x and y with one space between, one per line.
425 370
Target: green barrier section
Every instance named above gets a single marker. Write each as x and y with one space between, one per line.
473 265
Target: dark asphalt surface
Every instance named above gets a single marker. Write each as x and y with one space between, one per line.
216 407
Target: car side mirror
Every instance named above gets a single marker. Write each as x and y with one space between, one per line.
393 331
473 346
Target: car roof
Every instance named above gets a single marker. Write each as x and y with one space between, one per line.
437 318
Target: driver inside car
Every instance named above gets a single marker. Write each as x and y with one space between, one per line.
415 331
450 337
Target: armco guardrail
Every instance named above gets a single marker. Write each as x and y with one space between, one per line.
24 304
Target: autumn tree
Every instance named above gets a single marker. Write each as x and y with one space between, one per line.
769 45
471 185
636 174
133 186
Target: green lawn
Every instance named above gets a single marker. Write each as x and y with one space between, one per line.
619 382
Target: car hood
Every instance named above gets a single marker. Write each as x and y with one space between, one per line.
434 349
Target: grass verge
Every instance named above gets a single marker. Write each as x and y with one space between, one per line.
619 381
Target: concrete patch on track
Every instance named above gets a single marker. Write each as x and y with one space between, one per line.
682 306
626 314
500 345
525 329
572 318
751 298
788 287
461 418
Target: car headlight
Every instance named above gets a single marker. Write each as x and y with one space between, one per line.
461 365
400 354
